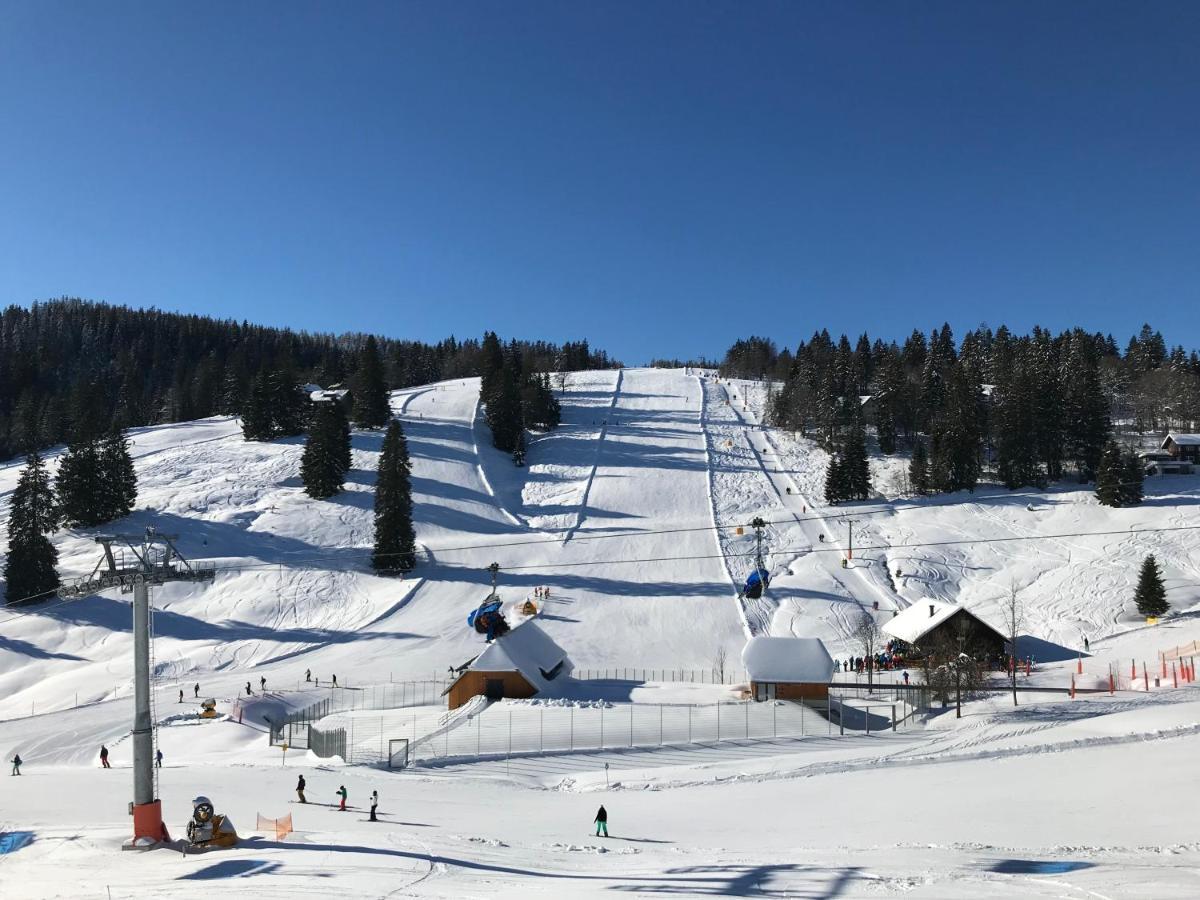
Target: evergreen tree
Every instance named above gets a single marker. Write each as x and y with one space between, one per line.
395 539
322 465
854 471
491 361
119 485
504 408
918 470
344 455
1151 596
371 409
1013 424
1109 475
257 419
29 572
835 487
80 484
1133 475
287 405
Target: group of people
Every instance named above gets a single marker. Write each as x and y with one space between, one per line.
541 593
341 793
195 692
308 678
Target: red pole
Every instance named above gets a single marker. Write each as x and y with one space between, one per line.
1028 665
1133 668
1164 668
1111 687
1174 677
1072 687
1079 665
1145 676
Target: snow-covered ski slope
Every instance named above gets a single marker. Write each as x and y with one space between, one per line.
615 513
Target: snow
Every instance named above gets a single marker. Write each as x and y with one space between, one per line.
787 659
615 514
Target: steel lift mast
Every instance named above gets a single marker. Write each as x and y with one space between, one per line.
136 563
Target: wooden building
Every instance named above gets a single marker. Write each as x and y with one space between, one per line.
783 668
520 664
1184 447
928 624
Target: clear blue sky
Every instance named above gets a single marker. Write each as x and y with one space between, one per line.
660 177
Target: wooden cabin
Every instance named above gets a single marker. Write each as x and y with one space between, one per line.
787 668
929 623
520 664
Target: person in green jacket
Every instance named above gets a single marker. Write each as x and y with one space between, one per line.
341 792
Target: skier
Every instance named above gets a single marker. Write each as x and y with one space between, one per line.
300 789
335 681
196 691
262 684
16 761
906 676
341 792
158 758
1087 645
308 674
181 695
104 757
602 822
374 803
248 691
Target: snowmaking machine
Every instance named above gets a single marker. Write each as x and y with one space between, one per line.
208 829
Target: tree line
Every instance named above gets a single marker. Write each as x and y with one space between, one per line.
516 395
68 360
1028 408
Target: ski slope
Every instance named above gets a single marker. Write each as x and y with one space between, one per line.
628 514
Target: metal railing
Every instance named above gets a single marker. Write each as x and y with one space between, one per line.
689 676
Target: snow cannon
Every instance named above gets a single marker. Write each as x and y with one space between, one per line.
756 583
488 619
208 829
208 709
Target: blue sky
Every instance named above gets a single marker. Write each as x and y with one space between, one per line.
659 177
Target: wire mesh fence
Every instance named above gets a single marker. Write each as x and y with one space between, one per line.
688 676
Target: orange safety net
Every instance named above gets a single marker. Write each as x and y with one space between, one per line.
281 826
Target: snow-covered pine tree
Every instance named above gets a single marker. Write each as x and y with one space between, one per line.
1133 475
29 572
1086 423
1150 595
1109 475
1013 425
918 469
395 539
504 407
321 465
287 405
371 409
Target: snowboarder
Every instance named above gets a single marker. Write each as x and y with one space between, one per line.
248 691
16 761
308 674
335 681
104 757
181 695
374 803
602 822
341 792
300 789
158 758
196 691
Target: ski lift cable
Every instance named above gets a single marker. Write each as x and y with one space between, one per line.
607 562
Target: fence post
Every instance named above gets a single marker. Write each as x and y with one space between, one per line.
775 721
601 727
660 725
718 720
689 709
747 721
542 729
630 724
572 727
893 717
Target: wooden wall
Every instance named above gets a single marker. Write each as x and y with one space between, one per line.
794 691
473 683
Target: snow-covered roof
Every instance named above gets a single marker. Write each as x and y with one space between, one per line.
528 650
322 394
922 617
787 659
1182 440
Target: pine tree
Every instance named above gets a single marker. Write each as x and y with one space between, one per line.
79 484
834 482
1133 475
1151 596
504 408
119 484
918 470
371 408
257 420
29 571
322 467
287 405
395 539
1109 475
853 467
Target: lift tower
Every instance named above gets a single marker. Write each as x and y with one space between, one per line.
134 563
